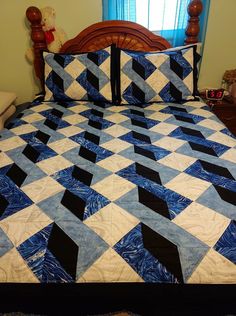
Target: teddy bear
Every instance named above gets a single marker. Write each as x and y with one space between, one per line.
55 37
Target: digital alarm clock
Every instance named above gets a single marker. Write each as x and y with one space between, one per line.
215 94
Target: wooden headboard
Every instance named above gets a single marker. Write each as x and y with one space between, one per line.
124 34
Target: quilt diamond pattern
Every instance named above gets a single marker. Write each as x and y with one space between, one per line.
91 192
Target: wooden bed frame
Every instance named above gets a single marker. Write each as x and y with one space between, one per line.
124 34
146 298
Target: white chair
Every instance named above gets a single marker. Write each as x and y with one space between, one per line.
7 106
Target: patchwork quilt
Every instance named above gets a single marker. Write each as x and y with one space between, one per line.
100 193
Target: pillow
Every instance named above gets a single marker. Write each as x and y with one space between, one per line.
87 76
165 76
197 53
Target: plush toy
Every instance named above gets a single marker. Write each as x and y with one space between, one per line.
55 37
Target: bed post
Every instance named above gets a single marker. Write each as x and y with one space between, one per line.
194 10
39 44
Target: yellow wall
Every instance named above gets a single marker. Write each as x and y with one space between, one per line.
220 44
16 73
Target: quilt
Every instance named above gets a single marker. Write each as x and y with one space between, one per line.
93 192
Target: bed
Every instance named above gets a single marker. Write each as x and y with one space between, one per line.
102 200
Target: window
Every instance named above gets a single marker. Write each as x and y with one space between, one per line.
165 17
162 14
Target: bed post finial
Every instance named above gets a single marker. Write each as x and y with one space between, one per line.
39 44
194 10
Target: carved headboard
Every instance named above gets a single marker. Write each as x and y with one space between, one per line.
124 34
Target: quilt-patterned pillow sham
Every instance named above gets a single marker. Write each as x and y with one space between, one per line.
87 76
167 76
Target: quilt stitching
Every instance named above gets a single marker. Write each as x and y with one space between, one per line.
82 192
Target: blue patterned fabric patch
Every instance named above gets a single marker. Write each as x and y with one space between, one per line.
227 132
15 123
213 173
198 142
96 119
182 115
89 150
79 198
12 198
152 193
226 245
40 253
137 250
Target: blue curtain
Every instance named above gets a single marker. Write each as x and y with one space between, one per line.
203 20
119 10
177 36
126 10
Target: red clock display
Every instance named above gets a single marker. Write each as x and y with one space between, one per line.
215 94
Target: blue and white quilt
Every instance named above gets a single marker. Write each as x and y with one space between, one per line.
102 193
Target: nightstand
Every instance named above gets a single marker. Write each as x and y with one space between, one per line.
225 110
